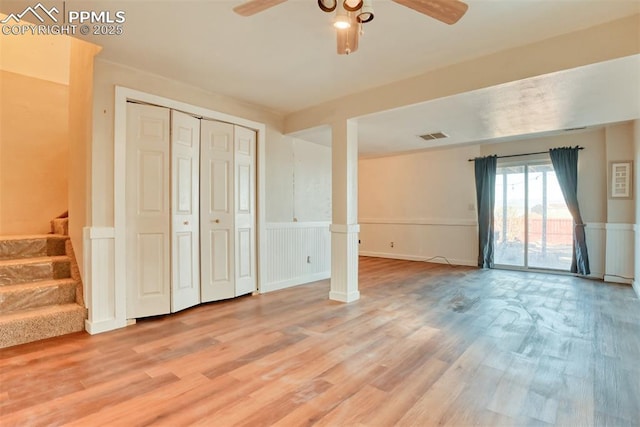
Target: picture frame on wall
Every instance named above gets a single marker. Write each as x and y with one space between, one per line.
621 179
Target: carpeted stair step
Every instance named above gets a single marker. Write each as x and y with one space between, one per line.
16 247
36 294
39 323
15 271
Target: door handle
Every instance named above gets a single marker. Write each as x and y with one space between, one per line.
186 222
217 221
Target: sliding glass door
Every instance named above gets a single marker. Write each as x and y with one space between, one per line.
533 227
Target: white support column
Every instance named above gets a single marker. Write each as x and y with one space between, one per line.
344 227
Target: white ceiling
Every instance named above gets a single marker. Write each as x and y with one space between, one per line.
285 59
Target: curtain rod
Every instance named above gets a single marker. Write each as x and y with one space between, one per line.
523 154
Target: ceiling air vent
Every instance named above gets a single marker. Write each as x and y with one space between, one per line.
435 135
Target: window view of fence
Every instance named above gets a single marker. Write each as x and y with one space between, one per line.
533 227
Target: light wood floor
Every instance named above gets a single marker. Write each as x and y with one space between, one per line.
425 345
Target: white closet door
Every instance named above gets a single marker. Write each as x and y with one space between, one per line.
147 211
245 206
185 196
217 211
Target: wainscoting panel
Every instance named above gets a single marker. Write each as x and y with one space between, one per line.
596 235
296 253
620 253
433 240
99 281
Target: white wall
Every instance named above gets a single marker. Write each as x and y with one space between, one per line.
298 181
298 213
424 202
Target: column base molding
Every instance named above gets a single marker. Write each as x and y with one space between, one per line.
344 262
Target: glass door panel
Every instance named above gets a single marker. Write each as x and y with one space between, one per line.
509 217
550 225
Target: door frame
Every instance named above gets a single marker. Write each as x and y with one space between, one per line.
122 95
536 161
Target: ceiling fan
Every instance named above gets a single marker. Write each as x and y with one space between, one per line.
352 14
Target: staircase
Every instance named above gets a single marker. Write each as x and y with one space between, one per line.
38 297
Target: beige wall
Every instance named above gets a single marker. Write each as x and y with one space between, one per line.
34 148
80 128
435 184
423 202
34 145
619 143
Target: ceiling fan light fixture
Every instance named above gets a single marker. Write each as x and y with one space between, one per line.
366 12
342 22
327 5
352 5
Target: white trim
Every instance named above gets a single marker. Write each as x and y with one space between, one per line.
422 221
435 259
101 232
122 94
300 280
281 225
619 226
636 287
98 251
102 326
344 297
596 225
344 228
616 279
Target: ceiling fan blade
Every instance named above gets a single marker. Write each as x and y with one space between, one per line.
254 6
348 38
447 11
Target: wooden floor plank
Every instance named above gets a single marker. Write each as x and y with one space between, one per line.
427 344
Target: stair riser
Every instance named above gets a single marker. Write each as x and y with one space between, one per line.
24 273
22 299
30 248
20 331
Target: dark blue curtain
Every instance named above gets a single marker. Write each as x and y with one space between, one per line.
565 164
485 198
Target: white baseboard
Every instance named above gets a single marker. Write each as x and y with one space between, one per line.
300 280
616 279
636 287
103 326
438 260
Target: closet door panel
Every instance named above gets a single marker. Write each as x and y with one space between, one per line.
245 207
217 211
147 211
185 186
